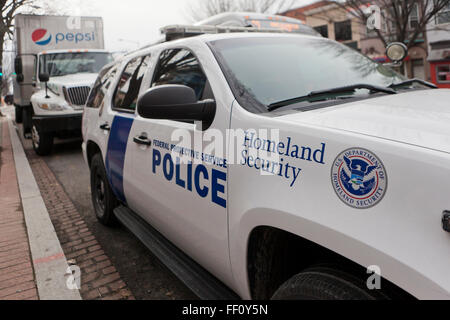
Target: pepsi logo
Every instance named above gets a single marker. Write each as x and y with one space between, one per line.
41 37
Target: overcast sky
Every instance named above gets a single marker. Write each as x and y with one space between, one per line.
137 21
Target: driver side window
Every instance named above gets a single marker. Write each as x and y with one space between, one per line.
127 91
180 66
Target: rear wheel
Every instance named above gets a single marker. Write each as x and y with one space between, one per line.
18 113
103 198
27 116
42 141
326 284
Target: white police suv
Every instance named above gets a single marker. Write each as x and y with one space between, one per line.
265 165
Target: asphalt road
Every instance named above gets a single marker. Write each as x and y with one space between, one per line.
144 274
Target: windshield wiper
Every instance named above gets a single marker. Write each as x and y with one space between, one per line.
337 91
412 81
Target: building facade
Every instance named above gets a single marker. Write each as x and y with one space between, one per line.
438 35
429 55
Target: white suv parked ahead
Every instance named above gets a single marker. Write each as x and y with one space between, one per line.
270 164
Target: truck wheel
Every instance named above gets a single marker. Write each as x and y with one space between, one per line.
42 141
18 113
103 197
326 284
27 117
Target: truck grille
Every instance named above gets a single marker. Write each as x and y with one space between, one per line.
78 95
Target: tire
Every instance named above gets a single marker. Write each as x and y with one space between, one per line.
326 284
27 116
103 198
18 113
42 141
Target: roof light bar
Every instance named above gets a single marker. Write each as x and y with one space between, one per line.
174 32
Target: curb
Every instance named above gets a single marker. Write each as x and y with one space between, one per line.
49 262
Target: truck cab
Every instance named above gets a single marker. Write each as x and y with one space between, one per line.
57 59
62 82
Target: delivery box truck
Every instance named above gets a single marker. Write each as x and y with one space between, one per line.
57 61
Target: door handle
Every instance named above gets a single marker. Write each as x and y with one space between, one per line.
105 127
141 140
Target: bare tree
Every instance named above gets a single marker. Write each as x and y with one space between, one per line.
403 20
9 10
203 9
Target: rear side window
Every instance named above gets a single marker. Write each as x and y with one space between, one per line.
180 66
126 95
103 82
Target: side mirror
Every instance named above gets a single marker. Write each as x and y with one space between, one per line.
396 52
18 67
20 78
176 102
44 77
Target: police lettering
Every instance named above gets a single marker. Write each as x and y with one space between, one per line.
199 178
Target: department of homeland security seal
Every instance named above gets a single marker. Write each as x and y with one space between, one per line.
359 178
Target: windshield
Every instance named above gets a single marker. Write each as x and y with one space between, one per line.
62 64
263 71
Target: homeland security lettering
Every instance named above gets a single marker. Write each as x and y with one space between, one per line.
282 149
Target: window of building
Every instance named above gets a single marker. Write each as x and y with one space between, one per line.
343 30
323 30
414 17
444 15
180 66
443 73
125 97
353 45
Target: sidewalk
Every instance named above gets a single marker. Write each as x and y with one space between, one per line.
42 233
32 262
17 281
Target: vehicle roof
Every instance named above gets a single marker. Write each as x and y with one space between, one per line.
73 51
246 16
219 36
223 36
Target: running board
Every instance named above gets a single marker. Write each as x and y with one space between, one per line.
195 277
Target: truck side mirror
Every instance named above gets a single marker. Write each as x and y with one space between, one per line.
176 102
20 78
18 68
44 77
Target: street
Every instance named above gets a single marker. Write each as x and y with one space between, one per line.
144 275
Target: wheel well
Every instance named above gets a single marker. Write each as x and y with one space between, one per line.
274 256
92 149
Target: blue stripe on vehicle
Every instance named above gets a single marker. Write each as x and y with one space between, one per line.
115 157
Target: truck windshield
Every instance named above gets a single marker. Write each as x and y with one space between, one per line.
62 64
264 70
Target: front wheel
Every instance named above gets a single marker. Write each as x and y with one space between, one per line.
103 197
18 114
42 141
326 284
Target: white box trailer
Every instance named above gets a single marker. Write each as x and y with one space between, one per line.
57 59
35 34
